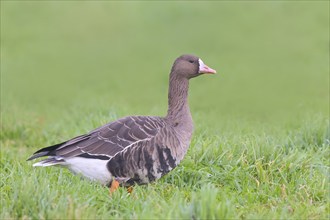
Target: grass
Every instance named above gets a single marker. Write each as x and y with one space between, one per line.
261 145
238 175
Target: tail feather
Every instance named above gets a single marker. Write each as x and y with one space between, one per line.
36 155
53 150
47 151
50 162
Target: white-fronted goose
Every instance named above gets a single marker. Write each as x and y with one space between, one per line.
134 149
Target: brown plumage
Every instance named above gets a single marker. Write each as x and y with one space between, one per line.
134 149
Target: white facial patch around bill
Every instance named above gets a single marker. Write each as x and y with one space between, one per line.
201 65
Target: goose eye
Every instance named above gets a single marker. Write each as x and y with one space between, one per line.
191 61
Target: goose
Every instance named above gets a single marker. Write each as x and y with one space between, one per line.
134 149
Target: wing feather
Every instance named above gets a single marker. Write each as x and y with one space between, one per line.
112 138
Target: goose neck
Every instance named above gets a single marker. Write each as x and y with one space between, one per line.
178 107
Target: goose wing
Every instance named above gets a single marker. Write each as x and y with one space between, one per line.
107 141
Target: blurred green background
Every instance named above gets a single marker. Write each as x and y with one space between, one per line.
78 57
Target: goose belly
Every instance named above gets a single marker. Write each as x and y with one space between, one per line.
93 169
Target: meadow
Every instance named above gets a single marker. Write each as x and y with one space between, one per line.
261 147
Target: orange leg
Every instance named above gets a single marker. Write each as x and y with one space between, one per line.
130 189
114 186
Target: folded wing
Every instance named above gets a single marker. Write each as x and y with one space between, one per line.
105 142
